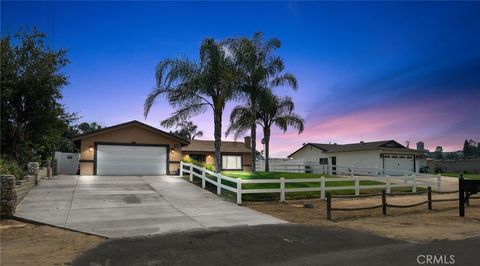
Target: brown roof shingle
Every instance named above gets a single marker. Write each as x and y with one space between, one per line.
209 146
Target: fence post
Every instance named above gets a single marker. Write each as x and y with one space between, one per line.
181 168
414 187
439 182
429 195
203 178
389 185
322 187
239 191
357 186
329 206
219 184
282 189
191 172
384 202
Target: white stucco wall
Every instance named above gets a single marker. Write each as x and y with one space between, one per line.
369 159
310 154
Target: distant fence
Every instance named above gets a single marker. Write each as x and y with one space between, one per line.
282 165
216 179
384 204
454 166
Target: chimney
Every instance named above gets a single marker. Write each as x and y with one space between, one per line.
248 142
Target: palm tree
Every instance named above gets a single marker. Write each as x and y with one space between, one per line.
258 69
194 87
188 130
271 110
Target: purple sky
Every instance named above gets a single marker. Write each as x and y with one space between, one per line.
366 71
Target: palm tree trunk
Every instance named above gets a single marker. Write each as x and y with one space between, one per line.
217 120
253 131
266 138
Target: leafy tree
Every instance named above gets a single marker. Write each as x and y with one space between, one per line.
188 130
32 118
272 110
258 69
194 87
438 154
85 127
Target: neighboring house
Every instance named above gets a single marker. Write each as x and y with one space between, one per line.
131 148
135 148
235 155
387 155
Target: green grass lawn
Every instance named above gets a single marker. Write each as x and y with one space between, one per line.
468 176
289 195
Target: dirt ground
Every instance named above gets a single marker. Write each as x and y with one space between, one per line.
416 224
29 244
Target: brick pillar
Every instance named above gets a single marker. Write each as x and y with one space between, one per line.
8 196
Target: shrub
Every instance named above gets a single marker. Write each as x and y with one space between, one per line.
207 166
11 167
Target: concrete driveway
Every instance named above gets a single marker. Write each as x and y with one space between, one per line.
121 206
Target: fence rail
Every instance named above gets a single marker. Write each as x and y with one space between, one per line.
385 204
216 179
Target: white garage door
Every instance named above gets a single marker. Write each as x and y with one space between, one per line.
131 160
398 163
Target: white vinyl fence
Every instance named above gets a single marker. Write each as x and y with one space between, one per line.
388 183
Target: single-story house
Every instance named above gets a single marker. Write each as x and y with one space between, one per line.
135 148
235 155
386 155
131 148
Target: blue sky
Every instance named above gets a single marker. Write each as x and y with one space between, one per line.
367 71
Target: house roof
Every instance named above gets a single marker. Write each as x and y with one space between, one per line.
384 145
131 123
209 146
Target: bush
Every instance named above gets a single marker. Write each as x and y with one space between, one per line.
207 166
11 167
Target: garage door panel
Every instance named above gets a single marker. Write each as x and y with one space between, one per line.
398 163
131 160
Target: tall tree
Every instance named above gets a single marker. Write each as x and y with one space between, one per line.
188 130
32 117
272 111
258 69
85 127
194 87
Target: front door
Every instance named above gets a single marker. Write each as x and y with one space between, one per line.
334 163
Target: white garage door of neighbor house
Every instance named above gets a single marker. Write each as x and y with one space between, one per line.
131 160
398 163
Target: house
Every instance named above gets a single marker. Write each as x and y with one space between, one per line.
135 148
235 155
386 155
131 148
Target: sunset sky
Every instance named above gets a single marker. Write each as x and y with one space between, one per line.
366 71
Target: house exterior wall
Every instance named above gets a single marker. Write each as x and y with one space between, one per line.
210 158
128 135
310 154
368 159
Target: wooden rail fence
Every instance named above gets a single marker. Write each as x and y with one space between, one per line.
384 204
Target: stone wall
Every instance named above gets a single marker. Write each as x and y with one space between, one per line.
8 196
454 166
24 186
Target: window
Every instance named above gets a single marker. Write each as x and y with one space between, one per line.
323 160
401 157
198 157
232 162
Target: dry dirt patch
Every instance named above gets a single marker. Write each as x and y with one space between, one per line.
412 224
29 244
